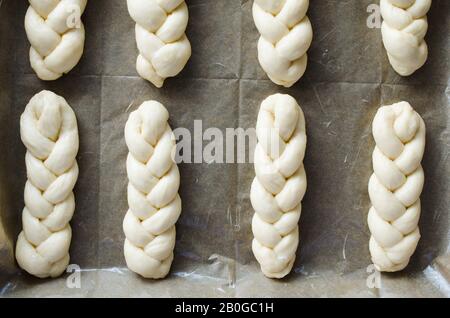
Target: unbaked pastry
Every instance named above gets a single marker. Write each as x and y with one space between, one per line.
56 33
404 28
48 128
286 35
154 203
279 185
163 46
395 186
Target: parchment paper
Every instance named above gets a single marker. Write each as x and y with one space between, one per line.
347 79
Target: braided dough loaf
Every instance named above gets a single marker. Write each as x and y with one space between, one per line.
48 128
279 185
395 186
56 33
286 35
154 203
404 28
163 46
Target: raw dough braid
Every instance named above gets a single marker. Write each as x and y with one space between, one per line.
286 35
48 128
56 33
154 203
163 46
279 185
395 186
404 28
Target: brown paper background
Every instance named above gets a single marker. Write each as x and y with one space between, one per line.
347 79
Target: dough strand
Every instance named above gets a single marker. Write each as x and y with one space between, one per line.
163 46
56 33
48 128
395 186
279 185
286 35
403 30
154 203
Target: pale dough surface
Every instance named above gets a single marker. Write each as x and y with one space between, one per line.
286 35
154 203
48 128
280 184
163 46
56 34
403 30
395 186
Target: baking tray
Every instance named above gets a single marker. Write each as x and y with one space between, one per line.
347 79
